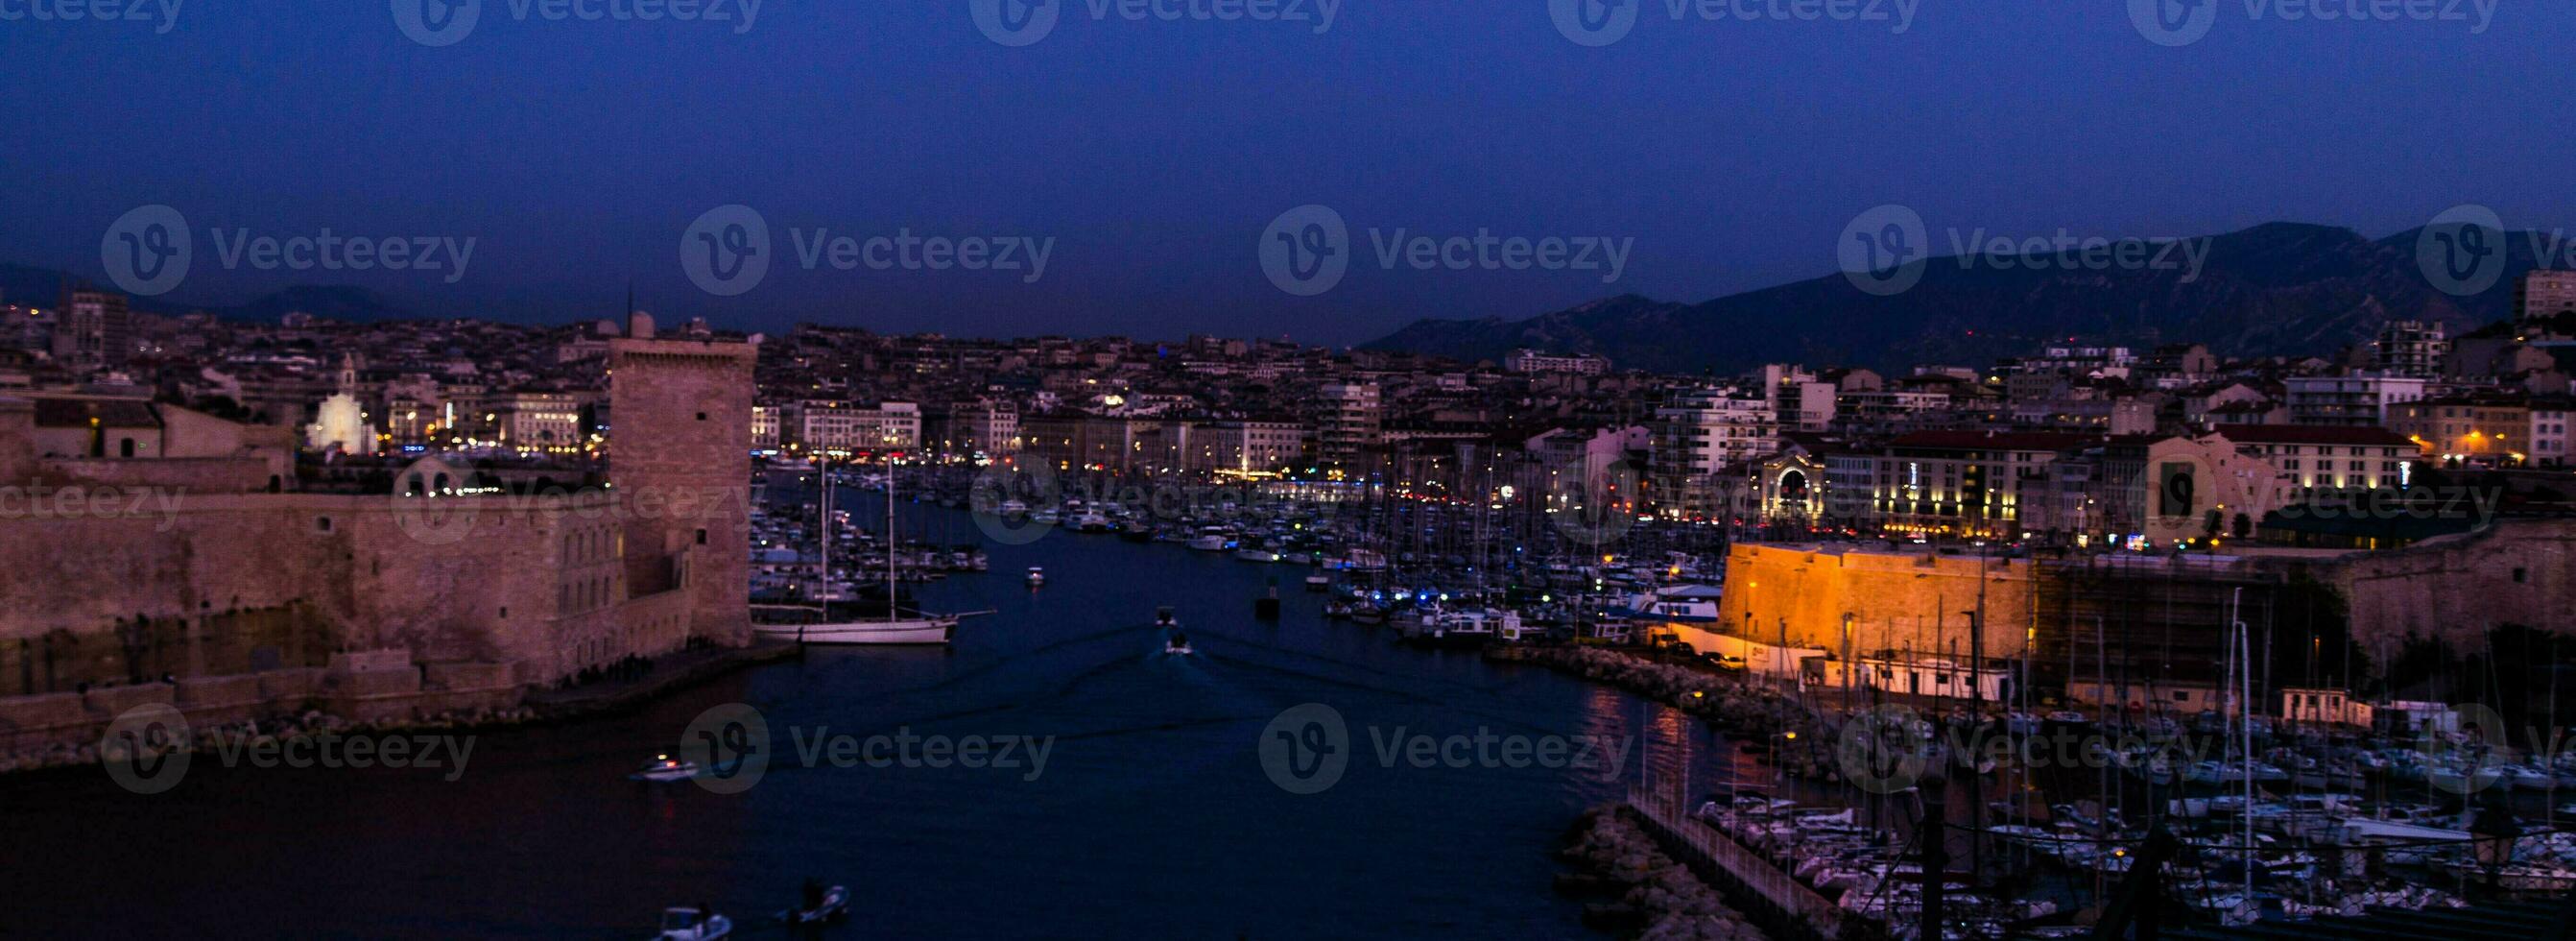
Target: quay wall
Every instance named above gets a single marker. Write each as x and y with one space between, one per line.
35 725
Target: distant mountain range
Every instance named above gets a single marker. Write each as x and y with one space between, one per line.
44 287
2276 289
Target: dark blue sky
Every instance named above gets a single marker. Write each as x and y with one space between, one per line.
1155 153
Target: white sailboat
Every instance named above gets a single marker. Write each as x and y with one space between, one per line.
814 624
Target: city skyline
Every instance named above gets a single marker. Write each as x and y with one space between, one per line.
1690 470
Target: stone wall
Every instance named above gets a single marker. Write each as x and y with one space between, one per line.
680 452
489 590
2458 587
1896 600
185 566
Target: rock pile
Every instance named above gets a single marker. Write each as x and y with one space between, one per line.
1728 701
1658 896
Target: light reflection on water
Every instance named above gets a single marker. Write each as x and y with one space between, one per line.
1154 816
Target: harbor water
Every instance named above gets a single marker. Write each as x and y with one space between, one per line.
1153 815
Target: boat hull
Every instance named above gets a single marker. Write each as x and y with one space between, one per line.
891 633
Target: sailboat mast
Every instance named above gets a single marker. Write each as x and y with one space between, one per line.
823 476
890 537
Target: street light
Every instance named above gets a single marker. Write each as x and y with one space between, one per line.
2493 835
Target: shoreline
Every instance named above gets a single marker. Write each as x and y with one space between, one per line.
535 706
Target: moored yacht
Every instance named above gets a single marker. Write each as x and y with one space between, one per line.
665 768
818 623
813 625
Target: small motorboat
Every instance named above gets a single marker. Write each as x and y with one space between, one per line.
1178 644
665 768
693 924
1163 619
1037 576
819 905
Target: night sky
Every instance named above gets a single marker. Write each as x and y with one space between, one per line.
1154 153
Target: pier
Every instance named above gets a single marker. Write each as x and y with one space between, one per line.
1782 905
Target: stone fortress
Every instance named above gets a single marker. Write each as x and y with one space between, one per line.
2154 618
145 541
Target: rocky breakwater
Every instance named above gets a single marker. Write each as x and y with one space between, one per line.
1657 898
1759 718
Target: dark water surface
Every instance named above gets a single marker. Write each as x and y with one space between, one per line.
1154 816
